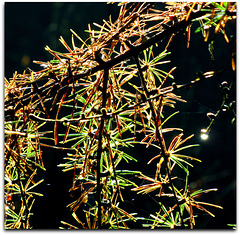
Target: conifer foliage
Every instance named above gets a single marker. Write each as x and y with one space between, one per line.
100 98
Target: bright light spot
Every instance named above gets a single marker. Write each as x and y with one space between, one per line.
204 134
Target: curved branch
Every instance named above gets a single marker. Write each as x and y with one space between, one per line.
134 50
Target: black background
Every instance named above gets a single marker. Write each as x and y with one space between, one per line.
29 27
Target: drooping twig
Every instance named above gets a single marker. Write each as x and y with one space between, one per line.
100 133
159 138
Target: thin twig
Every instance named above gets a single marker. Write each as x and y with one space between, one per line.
99 150
159 138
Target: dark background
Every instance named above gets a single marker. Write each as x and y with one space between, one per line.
29 27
